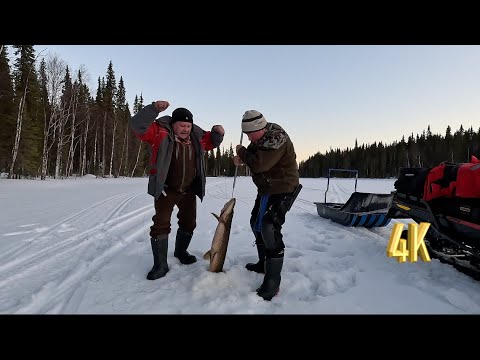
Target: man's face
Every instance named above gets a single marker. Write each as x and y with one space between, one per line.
182 129
254 136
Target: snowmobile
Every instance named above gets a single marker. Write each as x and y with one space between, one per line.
448 197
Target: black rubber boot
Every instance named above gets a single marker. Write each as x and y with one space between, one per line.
258 267
181 245
271 281
159 249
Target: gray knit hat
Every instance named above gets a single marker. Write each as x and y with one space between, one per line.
253 121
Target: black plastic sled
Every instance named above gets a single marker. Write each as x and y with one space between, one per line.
361 209
454 232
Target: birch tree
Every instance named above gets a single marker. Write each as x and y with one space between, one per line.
84 152
73 126
67 98
79 117
97 113
138 157
55 71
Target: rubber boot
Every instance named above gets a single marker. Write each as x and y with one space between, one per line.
272 278
258 267
181 245
159 249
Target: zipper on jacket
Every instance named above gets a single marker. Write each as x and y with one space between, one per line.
183 168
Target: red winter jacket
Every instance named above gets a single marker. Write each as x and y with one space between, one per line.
159 135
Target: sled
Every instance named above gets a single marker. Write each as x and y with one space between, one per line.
361 209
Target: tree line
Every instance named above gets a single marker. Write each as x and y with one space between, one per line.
380 160
52 126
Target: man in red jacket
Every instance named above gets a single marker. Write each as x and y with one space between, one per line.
177 176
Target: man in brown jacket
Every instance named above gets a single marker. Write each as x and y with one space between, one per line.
177 176
272 160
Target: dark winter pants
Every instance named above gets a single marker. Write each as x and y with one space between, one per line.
266 221
187 212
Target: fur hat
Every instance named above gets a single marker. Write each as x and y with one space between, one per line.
181 114
253 121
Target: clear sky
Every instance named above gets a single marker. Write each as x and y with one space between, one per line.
325 96
82 246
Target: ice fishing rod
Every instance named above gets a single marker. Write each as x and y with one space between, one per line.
236 167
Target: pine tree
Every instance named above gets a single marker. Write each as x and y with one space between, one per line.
122 115
7 111
110 119
26 152
140 161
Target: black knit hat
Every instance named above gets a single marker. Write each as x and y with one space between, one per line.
181 114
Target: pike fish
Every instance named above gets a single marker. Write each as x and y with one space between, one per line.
218 250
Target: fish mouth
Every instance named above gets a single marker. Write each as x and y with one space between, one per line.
230 205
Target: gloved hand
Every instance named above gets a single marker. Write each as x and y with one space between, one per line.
161 105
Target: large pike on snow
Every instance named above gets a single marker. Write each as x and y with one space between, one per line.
218 251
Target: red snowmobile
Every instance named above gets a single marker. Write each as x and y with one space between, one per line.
448 197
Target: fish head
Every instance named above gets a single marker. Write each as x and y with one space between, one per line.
227 211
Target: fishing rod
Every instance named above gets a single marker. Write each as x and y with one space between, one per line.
236 167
